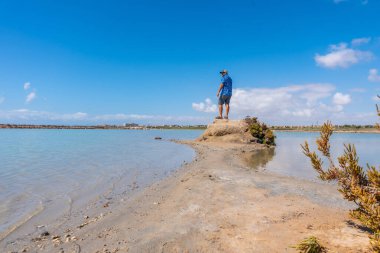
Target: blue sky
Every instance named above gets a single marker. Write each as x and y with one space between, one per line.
96 62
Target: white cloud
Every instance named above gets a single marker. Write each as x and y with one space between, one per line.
34 115
360 41
364 2
341 99
2 99
26 85
303 113
341 56
73 116
297 100
293 104
122 116
207 106
373 75
27 116
30 97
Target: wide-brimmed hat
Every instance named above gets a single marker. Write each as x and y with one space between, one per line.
224 71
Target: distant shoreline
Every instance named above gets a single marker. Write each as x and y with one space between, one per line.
338 129
369 131
101 127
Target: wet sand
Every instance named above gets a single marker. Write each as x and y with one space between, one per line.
217 203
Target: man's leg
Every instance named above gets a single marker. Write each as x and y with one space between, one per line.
221 111
227 109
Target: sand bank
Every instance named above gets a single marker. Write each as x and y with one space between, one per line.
214 204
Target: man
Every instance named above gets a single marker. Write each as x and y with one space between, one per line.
224 94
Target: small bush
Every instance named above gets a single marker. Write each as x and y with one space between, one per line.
310 245
355 184
260 131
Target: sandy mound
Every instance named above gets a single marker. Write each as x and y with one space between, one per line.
233 131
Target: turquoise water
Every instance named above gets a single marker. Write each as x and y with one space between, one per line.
42 170
288 158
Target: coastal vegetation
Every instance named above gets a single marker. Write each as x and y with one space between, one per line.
355 184
310 245
317 128
260 131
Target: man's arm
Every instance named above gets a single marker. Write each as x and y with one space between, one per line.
220 88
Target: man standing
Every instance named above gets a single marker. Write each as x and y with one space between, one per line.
224 94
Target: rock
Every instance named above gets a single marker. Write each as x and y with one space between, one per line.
158 138
224 127
67 238
229 131
44 234
56 239
83 224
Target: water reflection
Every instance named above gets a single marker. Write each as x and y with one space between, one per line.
287 158
259 158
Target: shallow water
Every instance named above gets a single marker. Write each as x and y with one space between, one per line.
287 157
46 172
42 170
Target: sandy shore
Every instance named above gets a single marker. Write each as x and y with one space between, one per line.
215 204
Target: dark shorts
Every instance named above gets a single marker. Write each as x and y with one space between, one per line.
224 100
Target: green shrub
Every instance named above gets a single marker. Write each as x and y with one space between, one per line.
310 245
260 131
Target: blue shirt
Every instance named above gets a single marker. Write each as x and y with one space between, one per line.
227 86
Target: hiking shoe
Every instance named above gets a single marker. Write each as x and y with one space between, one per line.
225 117
218 117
